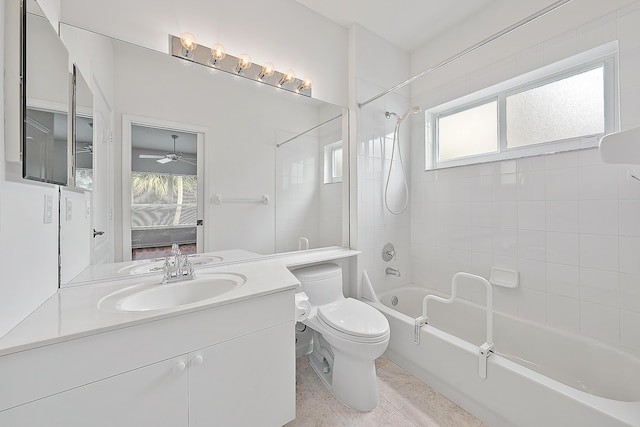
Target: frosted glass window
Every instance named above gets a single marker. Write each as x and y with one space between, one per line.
568 108
336 169
470 132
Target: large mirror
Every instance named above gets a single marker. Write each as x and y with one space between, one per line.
82 125
268 163
46 148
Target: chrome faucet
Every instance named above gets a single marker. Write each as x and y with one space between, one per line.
390 271
177 267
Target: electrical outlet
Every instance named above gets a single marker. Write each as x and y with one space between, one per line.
48 209
69 209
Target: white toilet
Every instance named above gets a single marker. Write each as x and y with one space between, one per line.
348 336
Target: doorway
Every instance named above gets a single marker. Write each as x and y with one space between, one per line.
163 191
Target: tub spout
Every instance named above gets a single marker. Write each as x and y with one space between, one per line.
390 271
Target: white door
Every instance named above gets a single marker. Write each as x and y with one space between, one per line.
102 242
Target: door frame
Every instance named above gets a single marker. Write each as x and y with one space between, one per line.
127 122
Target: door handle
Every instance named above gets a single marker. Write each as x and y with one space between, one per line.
97 233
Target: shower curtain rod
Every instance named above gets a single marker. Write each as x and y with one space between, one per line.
307 131
470 49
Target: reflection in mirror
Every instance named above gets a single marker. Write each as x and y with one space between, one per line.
46 149
82 131
164 192
256 198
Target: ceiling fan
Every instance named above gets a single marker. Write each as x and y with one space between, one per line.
169 157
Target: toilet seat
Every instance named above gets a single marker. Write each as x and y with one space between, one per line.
354 320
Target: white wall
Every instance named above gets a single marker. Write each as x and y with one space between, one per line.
281 31
25 240
567 222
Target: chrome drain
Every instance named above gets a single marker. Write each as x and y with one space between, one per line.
394 300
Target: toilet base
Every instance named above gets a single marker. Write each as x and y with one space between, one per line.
352 381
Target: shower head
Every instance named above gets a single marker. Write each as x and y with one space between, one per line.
413 110
410 111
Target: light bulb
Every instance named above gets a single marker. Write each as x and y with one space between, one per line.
305 84
267 71
244 62
217 54
287 77
189 43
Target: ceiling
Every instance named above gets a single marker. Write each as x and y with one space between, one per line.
407 24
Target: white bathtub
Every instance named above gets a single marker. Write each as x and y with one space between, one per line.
538 376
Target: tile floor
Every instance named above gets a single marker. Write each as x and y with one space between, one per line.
405 401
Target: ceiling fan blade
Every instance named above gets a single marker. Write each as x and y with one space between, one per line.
150 156
187 161
164 160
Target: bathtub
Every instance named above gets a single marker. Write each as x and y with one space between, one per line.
538 376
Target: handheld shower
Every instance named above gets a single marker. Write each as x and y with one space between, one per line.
396 143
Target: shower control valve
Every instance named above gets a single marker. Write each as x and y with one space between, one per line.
388 252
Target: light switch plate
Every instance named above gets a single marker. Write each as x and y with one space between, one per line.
69 209
48 209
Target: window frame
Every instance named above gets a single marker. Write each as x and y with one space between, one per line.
329 163
605 56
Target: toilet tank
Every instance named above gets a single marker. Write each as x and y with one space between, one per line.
322 283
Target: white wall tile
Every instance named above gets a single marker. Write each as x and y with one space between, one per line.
532 304
599 286
563 280
481 188
560 47
599 216
481 214
562 184
568 159
531 215
532 274
563 312
482 239
630 291
505 214
531 185
505 300
504 167
531 244
505 241
600 321
504 187
529 164
599 182
630 329
629 187
563 216
599 252
629 216
630 254
563 248
481 264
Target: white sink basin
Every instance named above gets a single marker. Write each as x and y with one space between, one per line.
156 265
155 296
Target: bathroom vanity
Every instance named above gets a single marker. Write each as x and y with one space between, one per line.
228 361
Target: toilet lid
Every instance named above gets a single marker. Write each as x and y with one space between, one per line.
354 318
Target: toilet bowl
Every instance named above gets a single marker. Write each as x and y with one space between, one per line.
348 335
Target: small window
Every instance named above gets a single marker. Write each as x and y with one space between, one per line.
333 162
469 132
564 106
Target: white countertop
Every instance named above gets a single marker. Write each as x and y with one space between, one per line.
73 312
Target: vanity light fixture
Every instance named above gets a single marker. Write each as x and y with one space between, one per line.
244 62
306 84
216 58
188 42
287 77
267 71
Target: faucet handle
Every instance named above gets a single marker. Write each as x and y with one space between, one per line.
175 250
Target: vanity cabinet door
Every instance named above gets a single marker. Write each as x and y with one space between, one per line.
246 381
154 395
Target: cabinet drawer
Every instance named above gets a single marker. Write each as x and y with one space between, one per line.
33 374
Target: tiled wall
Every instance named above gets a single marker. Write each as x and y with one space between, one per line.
567 222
